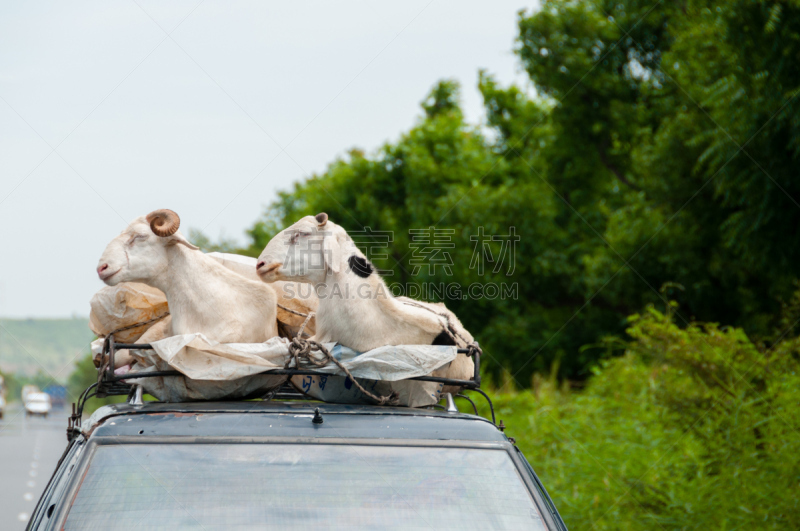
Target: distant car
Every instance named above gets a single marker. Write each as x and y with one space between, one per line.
2 406
37 404
28 389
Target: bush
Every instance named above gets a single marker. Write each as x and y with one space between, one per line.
692 428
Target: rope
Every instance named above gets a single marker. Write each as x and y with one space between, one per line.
472 346
300 350
303 326
284 308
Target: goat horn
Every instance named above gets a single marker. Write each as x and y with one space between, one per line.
163 222
322 218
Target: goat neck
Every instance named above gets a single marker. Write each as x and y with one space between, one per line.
199 286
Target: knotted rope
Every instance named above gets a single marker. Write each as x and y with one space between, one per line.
474 348
301 351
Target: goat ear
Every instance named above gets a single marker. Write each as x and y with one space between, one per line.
322 219
178 238
332 251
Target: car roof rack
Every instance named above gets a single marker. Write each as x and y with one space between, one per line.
110 384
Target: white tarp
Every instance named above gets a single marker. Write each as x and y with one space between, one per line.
235 370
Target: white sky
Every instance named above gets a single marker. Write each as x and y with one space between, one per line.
242 99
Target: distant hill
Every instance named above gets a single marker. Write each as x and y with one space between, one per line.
52 345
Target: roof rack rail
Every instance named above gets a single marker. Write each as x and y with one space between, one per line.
110 384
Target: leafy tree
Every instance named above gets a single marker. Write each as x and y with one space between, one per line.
658 151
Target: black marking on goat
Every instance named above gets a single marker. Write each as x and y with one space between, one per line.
360 266
443 339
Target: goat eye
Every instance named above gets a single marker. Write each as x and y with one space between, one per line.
293 239
137 237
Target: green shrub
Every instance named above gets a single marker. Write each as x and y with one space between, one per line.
693 428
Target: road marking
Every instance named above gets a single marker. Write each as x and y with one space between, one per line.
34 465
22 517
32 473
31 483
28 496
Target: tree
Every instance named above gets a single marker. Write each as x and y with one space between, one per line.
656 101
659 151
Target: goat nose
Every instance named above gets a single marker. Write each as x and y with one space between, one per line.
102 268
261 264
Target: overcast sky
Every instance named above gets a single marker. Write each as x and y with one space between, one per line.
109 110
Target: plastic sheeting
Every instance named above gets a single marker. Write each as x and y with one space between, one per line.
340 390
236 370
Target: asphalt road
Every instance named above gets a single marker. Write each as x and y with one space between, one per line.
29 452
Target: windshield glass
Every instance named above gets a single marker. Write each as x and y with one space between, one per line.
301 486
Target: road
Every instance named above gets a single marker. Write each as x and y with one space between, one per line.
29 452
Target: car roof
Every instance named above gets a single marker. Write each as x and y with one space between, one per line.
38 395
286 419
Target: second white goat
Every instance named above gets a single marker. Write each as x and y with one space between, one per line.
356 308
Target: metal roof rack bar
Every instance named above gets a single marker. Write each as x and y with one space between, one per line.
110 384
107 376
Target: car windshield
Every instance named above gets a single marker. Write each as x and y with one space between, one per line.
301 486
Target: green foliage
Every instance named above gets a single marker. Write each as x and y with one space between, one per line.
12 387
693 428
200 239
658 160
83 375
660 149
31 346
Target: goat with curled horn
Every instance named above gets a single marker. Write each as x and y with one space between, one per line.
203 295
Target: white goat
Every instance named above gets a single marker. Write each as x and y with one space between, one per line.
356 309
203 295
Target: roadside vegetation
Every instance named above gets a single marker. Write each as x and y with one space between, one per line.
32 346
691 428
648 366
659 150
